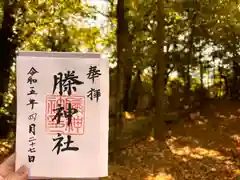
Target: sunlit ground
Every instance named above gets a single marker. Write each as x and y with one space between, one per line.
183 163
207 148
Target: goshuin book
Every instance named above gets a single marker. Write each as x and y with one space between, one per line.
62 114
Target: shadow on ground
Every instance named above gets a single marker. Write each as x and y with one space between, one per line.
203 149
206 148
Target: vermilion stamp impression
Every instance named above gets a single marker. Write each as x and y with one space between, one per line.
65 115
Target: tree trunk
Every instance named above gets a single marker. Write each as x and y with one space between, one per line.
160 72
127 87
128 65
122 40
136 92
190 53
234 87
201 74
7 47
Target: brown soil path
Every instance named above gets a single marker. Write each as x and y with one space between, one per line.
204 149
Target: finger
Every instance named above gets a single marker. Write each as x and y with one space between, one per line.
7 166
10 161
20 174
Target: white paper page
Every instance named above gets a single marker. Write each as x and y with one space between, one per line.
88 118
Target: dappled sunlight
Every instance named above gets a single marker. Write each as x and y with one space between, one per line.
160 176
230 115
202 121
180 141
129 115
194 115
236 137
198 118
5 147
217 114
197 153
150 139
170 82
205 148
227 117
233 117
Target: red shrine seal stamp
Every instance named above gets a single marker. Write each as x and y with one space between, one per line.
65 114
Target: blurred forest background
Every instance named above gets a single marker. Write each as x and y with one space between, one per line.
174 78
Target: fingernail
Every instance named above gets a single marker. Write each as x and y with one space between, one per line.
22 170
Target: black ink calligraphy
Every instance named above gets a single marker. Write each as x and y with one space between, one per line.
31 149
62 113
69 113
31 158
32 91
94 94
32 102
32 71
66 83
32 117
31 80
32 128
59 113
93 73
32 140
64 146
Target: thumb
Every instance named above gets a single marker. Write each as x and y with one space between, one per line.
7 166
20 174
